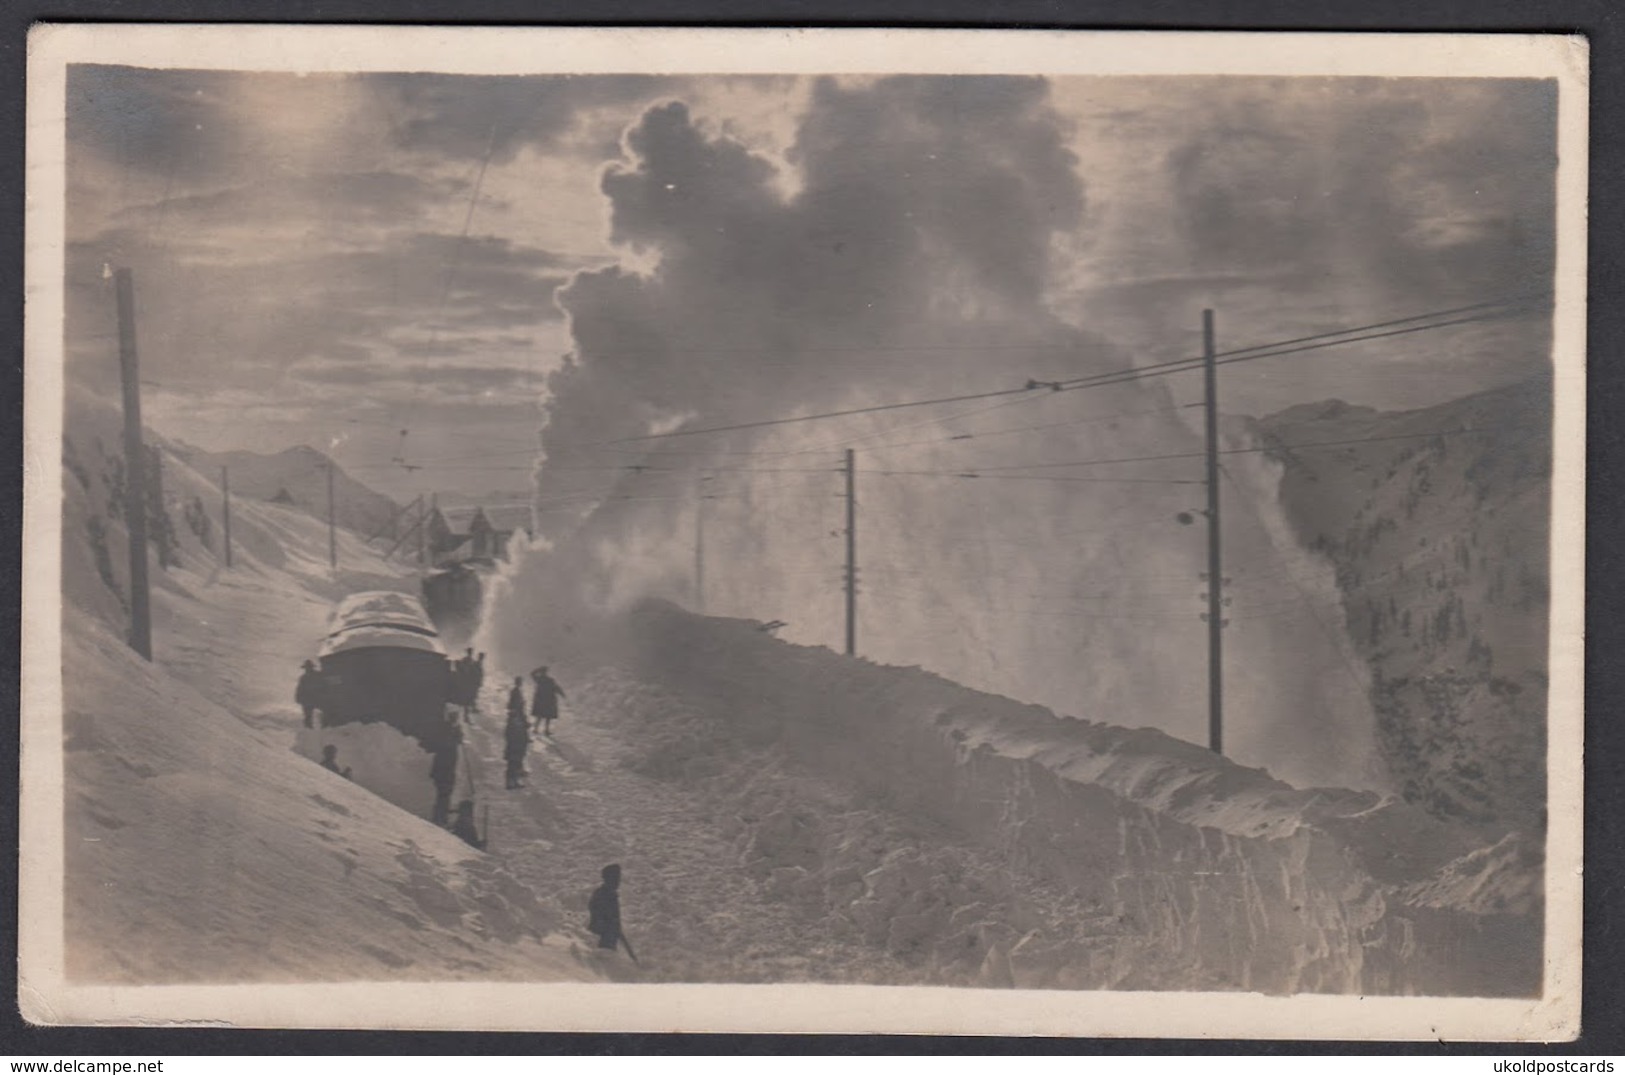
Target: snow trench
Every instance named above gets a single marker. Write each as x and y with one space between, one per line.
1180 869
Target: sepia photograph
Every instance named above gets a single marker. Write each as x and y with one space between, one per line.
848 531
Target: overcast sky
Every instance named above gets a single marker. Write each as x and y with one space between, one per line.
330 259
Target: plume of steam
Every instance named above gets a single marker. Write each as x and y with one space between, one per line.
912 257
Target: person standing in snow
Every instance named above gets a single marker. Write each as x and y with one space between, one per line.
544 705
516 737
443 771
308 694
463 825
604 909
464 678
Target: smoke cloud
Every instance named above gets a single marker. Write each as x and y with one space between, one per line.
910 252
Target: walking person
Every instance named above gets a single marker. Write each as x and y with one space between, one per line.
544 704
308 694
604 911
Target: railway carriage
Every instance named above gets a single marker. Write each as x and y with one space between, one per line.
382 660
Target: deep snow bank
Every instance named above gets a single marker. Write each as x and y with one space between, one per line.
1208 872
198 851
200 847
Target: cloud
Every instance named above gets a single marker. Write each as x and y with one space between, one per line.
309 202
469 116
920 225
1296 205
146 119
457 382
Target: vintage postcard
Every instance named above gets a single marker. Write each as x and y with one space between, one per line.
840 531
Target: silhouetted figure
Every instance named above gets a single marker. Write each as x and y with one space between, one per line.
478 674
604 909
309 693
544 705
464 678
462 825
443 771
330 760
516 736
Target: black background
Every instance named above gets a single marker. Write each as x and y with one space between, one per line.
1601 21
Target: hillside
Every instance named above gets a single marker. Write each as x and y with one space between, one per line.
1440 549
301 473
199 846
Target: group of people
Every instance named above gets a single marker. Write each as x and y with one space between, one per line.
543 711
467 677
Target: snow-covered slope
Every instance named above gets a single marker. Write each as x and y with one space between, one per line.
198 850
199 846
1176 868
1440 550
301 473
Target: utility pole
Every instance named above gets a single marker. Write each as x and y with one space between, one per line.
1215 568
332 523
851 558
225 510
699 543
135 489
423 532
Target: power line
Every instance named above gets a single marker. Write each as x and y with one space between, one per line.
1236 353
1257 448
985 433
1184 365
1099 380
1024 477
1034 389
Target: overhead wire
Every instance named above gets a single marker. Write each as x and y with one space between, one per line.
1036 389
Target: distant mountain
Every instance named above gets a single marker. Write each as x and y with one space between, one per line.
1437 521
298 477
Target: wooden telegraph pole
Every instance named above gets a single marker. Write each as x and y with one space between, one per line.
332 523
225 510
851 558
1215 564
699 543
135 489
423 532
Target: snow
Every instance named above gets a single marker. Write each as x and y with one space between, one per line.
386 762
915 830
368 636
381 607
199 846
198 850
783 813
